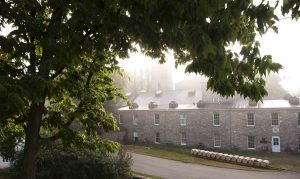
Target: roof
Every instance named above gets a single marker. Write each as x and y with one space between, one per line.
180 96
265 104
187 99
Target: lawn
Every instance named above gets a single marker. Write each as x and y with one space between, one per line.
279 161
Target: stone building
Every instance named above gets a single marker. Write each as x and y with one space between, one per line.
189 118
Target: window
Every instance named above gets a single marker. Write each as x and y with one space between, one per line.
299 144
275 141
298 118
251 142
250 119
134 119
275 119
216 119
121 119
183 138
183 120
157 138
217 141
156 119
135 137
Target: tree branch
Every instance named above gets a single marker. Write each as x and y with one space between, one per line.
58 72
70 121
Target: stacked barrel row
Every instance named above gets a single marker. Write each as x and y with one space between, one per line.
231 158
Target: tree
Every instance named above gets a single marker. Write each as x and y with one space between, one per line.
56 63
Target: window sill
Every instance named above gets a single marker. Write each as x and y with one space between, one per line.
183 144
251 148
250 125
156 142
216 125
217 146
156 124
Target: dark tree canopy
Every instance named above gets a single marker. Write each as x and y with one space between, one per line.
56 63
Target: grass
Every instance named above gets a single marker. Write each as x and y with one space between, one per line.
145 175
279 161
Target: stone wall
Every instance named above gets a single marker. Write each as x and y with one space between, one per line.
200 130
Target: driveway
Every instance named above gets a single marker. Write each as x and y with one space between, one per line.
174 169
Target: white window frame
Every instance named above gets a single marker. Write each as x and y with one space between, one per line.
156 120
183 138
253 142
248 115
157 139
121 119
134 119
217 141
182 119
214 119
273 119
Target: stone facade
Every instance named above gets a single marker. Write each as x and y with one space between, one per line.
233 128
272 125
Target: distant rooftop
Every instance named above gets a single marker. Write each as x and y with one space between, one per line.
188 99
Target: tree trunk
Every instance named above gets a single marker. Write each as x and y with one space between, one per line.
32 140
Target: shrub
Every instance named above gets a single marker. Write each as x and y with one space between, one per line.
69 163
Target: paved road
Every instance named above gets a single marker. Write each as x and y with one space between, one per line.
179 170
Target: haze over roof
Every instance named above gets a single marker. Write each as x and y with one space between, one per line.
188 99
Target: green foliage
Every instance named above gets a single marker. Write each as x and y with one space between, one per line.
56 161
291 6
10 139
56 64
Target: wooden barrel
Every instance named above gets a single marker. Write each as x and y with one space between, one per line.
194 151
199 153
218 155
223 156
234 158
213 155
239 159
258 162
251 161
265 163
228 157
245 160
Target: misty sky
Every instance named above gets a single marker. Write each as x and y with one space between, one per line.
283 47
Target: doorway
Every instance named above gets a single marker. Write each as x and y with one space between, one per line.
275 144
135 137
